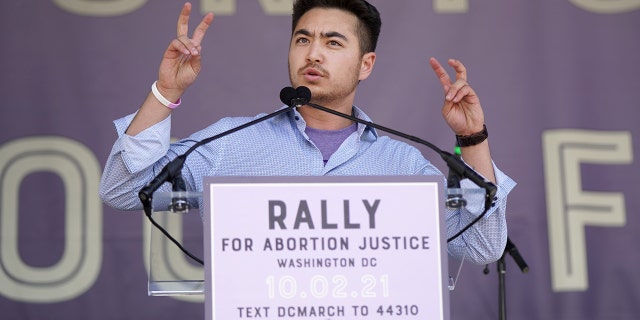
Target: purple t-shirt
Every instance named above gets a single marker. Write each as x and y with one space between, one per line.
328 141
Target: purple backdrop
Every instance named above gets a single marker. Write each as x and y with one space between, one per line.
558 81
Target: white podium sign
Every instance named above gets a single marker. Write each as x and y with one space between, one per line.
325 247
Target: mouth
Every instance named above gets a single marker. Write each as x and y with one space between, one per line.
312 74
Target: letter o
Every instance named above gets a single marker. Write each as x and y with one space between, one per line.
100 8
79 266
608 6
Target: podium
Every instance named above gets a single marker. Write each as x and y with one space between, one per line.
288 247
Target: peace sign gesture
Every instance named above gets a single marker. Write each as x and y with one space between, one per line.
461 110
181 63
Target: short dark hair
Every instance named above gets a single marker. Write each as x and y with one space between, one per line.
369 21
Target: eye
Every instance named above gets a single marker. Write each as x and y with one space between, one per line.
335 43
302 40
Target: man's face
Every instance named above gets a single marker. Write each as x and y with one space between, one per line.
325 56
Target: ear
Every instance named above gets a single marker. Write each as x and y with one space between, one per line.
366 67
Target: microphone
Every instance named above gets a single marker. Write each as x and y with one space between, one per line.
303 95
295 97
287 94
169 173
455 164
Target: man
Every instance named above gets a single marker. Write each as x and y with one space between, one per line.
332 49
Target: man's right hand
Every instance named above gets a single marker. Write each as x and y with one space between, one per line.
178 70
181 63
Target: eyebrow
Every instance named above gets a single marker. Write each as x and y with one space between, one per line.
330 34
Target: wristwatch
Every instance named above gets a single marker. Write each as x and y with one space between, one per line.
472 139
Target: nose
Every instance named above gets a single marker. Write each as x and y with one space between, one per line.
315 53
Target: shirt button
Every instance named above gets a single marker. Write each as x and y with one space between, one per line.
297 118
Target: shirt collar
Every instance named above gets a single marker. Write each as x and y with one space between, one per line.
296 118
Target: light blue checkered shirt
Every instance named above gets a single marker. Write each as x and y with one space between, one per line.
280 147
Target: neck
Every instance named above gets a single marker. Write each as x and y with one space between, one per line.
319 119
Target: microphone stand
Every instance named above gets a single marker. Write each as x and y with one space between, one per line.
502 271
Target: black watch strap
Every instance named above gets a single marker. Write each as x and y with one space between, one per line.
473 139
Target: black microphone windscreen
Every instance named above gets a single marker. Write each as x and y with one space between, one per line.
304 93
287 94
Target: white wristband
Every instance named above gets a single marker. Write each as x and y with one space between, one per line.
163 100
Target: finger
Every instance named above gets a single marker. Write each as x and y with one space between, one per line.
442 74
182 45
196 65
461 70
463 92
455 93
201 29
183 20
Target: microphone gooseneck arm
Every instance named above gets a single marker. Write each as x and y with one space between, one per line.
454 162
174 167
291 97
